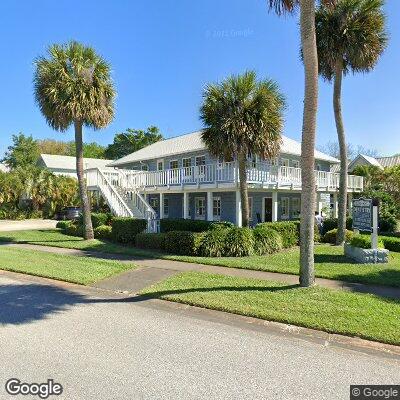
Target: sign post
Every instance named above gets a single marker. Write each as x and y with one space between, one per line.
374 238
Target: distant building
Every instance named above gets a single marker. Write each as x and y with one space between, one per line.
4 167
362 159
66 165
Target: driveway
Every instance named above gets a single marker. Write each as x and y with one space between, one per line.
101 346
9 225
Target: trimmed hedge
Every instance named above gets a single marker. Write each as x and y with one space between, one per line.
213 243
330 237
332 223
63 225
267 240
103 232
150 240
239 242
125 229
98 219
183 242
74 230
364 241
220 224
289 231
391 243
188 225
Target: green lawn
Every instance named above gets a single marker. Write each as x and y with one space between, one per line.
334 311
330 262
82 270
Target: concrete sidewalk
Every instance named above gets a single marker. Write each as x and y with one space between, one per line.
154 270
7 225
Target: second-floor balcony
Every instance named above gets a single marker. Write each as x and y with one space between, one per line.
226 175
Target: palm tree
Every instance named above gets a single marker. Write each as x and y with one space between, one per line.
310 60
73 87
350 38
241 116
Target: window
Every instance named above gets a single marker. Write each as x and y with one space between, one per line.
186 162
285 207
160 165
144 167
295 163
154 202
318 167
166 207
284 162
217 208
250 209
200 208
296 207
173 164
200 160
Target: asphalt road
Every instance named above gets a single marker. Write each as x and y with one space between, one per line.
102 347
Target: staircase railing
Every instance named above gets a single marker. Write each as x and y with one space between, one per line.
95 177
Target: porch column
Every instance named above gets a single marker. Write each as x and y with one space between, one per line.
335 206
350 204
238 209
185 205
319 203
274 206
210 206
161 206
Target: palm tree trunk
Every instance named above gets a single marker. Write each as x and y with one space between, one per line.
243 188
309 48
87 220
337 107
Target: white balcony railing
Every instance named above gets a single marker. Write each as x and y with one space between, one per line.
260 173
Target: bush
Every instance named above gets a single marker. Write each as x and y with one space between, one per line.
213 242
220 224
330 237
332 223
74 230
391 243
364 241
150 240
103 232
63 225
289 231
267 240
125 229
99 219
388 223
188 225
183 242
239 242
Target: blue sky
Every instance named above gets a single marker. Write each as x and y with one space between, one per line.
163 52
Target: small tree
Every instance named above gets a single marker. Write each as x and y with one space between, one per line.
242 116
73 87
350 38
23 153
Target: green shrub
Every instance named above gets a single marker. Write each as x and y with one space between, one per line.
188 225
150 240
267 240
99 219
213 242
317 234
103 232
220 224
125 229
289 231
364 241
330 237
63 225
332 223
239 242
74 230
391 243
183 242
388 223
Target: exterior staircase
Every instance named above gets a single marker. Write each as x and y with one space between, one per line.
123 201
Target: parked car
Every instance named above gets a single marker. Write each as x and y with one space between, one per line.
69 213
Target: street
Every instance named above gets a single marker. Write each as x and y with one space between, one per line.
99 346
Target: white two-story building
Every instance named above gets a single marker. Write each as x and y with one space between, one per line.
178 178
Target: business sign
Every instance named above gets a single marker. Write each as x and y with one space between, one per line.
362 214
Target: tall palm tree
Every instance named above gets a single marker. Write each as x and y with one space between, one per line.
243 115
350 38
73 87
310 60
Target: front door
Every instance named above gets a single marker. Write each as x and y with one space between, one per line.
267 209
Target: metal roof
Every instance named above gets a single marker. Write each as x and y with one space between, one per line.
193 142
53 161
